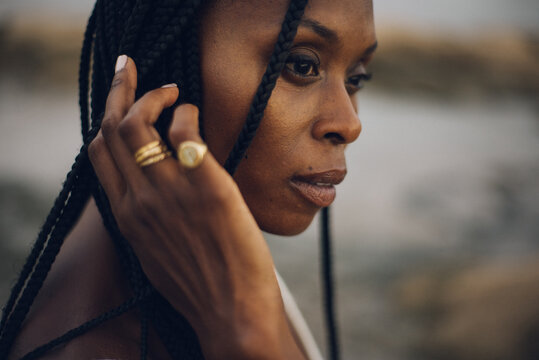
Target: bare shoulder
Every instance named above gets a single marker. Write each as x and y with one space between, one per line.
84 282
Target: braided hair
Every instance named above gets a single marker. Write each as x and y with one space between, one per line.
166 51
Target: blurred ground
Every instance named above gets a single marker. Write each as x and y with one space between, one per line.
436 227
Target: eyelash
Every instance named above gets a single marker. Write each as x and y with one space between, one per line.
295 60
310 71
358 81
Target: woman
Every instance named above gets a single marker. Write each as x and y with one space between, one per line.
161 257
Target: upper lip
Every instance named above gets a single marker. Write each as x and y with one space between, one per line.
330 177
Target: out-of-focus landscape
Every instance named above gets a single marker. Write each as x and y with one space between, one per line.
436 228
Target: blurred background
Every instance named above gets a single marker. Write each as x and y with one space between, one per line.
436 227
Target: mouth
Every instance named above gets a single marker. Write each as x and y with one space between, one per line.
319 188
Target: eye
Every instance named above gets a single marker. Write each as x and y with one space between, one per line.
356 82
302 65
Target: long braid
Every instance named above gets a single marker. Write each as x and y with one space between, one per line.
192 65
263 93
328 281
174 330
143 333
97 102
161 16
171 32
53 215
84 73
109 13
65 212
101 43
87 326
134 26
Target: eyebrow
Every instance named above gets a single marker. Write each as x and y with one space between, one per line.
320 29
370 50
331 35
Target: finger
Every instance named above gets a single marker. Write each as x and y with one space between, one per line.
120 99
105 168
123 87
185 127
137 130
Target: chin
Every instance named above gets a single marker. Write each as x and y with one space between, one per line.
286 224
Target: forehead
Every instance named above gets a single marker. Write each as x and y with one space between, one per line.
352 20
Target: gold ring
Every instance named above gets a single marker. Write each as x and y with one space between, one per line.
155 159
146 147
191 153
151 153
161 148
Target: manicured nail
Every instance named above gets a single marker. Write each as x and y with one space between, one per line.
120 63
171 85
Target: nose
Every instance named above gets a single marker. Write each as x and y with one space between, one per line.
338 121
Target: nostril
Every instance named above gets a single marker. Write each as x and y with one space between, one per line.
335 138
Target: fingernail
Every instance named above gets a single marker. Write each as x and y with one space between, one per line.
171 85
120 63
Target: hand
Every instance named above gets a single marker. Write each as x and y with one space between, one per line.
193 233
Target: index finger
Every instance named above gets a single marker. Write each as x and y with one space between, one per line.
122 89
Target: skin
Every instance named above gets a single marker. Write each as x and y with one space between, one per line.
198 232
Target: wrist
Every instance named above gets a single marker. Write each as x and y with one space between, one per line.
255 332
258 341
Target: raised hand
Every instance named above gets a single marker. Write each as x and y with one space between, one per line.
195 237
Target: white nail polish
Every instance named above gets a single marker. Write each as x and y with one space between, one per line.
172 85
120 63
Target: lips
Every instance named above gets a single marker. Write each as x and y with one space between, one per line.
318 188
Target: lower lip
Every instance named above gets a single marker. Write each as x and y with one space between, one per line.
319 195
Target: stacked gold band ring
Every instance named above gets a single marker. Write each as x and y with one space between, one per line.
151 153
191 154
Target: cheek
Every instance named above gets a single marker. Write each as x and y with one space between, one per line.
279 151
230 79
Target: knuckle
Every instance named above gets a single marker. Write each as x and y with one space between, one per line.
128 126
108 125
144 206
96 147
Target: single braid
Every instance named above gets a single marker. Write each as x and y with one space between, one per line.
194 78
51 221
328 284
124 11
170 34
161 16
109 13
87 326
134 26
84 73
263 93
143 332
100 44
174 330
98 85
65 212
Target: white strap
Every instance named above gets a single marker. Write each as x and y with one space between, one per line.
298 322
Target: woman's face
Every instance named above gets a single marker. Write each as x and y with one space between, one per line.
297 154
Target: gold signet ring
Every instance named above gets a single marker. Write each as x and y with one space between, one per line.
191 154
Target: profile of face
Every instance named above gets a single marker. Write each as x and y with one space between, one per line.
297 154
